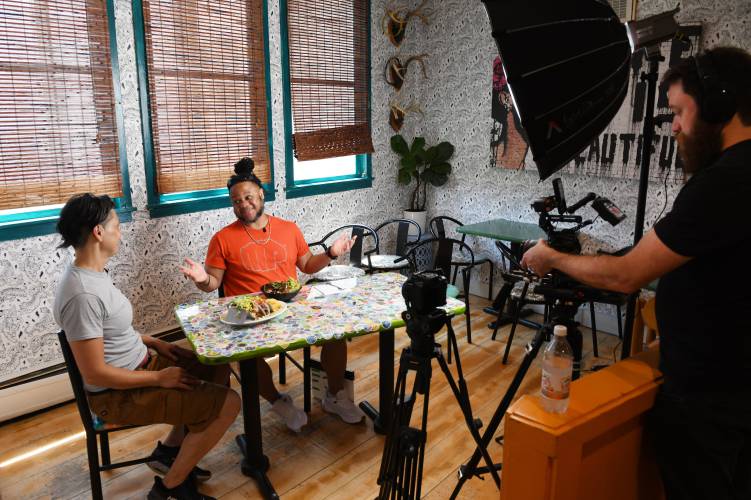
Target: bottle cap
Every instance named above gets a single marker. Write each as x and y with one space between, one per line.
559 331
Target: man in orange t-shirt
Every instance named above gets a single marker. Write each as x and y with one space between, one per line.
258 248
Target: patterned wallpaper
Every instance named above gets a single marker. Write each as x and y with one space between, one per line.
146 268
455 100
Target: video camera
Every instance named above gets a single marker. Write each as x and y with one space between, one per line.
560 286
424 293
566 240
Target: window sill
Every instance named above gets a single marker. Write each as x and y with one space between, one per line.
43 226
326 187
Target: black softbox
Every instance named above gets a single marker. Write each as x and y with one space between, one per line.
567 65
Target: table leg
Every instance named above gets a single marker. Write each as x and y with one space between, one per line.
254 463
382 417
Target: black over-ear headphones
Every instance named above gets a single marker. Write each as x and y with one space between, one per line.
717 101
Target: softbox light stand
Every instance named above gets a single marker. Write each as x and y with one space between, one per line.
653 58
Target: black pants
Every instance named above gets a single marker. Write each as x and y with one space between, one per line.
703 446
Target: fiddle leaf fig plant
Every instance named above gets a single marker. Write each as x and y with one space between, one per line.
424 165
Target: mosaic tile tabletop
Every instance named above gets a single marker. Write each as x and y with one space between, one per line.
373 305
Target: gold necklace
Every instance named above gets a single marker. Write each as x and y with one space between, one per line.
268 226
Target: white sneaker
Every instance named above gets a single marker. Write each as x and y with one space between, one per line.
342 406
292 416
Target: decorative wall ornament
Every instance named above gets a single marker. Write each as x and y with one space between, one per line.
508 145
394 22
395 71
398 111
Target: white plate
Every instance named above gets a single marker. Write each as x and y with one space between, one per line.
385 262
250 322
338 272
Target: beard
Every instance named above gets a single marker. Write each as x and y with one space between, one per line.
701 148
251 220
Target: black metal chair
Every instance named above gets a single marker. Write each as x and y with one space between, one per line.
387 261
438 229
93 431
356 253
443 261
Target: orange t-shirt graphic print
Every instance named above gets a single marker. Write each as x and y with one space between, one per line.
263 258
252 258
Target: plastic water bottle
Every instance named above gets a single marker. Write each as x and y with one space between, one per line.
557 368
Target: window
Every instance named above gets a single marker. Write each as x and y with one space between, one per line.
61 129
326 80
203 75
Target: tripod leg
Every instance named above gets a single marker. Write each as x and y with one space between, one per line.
470 469
395 465
462 397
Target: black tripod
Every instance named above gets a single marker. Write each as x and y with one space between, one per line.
400 475
562 313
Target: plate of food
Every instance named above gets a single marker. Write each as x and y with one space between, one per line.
248 310
338 272
281 290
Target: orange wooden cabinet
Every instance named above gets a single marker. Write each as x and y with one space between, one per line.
596 450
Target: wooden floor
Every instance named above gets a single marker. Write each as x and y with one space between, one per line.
328 459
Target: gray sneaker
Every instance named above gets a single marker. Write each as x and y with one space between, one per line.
341 405
292 416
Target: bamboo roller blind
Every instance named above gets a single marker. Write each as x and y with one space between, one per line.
58 135
329 66
207 90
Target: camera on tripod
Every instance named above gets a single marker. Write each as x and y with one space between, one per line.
425 291
566 240
559 286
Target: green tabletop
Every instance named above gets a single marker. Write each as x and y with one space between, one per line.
503 229
375 304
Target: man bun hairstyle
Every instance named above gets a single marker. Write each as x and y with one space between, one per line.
244 173
80 215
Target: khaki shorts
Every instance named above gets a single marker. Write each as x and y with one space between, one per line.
195 408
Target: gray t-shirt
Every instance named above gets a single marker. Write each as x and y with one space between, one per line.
88 306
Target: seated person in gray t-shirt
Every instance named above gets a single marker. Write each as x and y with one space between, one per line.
125 383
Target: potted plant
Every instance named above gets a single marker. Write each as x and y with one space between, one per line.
424 165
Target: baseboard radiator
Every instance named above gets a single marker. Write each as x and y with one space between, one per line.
45 388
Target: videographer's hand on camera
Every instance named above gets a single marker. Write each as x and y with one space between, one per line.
539 258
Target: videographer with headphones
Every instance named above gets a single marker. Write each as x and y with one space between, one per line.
701 422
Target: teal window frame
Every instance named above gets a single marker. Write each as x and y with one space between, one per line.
363 176
44 221
165 205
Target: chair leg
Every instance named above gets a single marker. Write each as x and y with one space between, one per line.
490 283
95 479
515 321
502 298
449 349
306 378
104 448
466 307
618 320
594 329
282 368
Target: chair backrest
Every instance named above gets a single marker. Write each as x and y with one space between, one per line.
359 230
76 380
438 224
443 256
402 232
